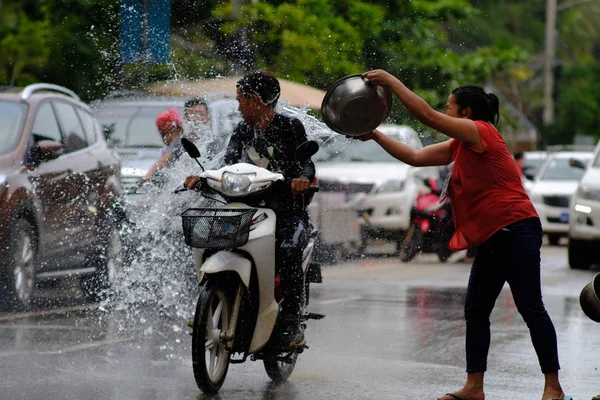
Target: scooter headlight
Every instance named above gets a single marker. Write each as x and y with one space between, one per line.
236 184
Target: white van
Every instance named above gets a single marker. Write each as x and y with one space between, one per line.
584 218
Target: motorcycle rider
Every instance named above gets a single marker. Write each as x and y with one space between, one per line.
268 139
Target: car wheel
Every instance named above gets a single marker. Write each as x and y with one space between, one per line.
444 255
108 261
554 240
579 254
18 273
360 247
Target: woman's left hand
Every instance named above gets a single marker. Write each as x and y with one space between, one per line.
363 138
380 77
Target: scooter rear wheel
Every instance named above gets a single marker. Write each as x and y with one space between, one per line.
280 366
210 358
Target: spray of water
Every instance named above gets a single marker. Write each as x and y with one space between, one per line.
158 273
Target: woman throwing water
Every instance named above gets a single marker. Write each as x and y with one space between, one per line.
492 211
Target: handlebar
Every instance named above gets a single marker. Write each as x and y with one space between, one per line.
201 186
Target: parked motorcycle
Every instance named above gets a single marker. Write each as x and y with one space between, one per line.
238 310
431 225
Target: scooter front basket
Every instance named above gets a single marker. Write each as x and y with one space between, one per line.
217 227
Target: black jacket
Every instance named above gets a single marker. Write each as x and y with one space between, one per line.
276 145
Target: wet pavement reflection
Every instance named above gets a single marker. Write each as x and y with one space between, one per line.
392 331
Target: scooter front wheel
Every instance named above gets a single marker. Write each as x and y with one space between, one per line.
210 357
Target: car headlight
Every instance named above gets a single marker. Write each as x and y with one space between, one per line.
237 185
391 186
588 192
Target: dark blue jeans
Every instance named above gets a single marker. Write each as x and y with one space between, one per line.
511 255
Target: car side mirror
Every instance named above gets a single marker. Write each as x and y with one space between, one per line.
50 150
44 150
108 130
577 163
306 150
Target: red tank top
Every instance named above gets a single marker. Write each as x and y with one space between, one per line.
485 190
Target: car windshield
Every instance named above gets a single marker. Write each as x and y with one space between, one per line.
12 116
340 149
532 165
559 169
597 161
132 126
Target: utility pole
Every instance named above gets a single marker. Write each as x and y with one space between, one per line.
549 55
145 49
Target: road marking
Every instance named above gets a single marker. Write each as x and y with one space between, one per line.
337 301
48 327
64 310
83 346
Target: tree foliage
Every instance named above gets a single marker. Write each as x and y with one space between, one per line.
431 45
24 44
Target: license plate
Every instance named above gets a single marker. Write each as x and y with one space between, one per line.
564 217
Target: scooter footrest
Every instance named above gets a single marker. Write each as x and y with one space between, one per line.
314 316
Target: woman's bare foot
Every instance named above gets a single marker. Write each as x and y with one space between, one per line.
552 387
465 394
551 394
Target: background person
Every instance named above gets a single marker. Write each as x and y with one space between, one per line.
491 211
170 127
197 118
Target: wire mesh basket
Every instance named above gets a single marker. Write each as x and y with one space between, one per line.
216 227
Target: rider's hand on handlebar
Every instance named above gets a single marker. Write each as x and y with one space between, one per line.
191 181
299 185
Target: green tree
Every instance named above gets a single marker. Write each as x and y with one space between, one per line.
311 41
23 44
578 106
523 23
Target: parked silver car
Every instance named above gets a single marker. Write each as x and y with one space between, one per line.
128 123
365 193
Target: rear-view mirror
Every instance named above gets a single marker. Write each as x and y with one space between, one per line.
577 163
190 148
306 150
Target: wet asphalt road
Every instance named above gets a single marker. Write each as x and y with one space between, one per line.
392 331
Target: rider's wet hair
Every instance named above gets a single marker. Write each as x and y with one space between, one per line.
262 84
484 106
196 101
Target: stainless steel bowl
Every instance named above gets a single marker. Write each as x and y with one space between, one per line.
353 106
589 299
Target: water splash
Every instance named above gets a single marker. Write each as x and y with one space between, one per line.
159 274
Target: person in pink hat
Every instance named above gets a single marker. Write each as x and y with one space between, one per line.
170 127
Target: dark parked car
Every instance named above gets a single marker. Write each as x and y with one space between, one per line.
59 194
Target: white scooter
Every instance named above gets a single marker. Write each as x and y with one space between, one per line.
238 310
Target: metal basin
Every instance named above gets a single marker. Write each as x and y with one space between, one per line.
353 106
590 300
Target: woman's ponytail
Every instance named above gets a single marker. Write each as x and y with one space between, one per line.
494 108
484 106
